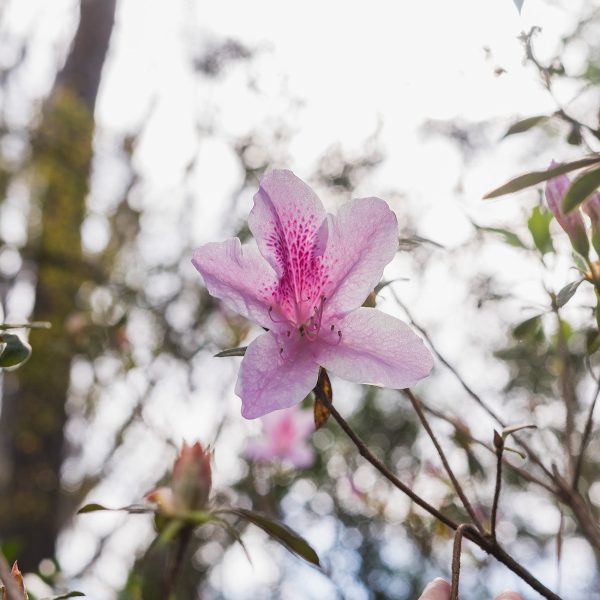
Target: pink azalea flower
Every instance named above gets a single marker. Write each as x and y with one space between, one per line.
285 435
573 224
306 283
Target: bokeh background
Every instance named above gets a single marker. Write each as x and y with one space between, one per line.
131 131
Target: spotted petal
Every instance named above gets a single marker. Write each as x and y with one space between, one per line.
275 373
362 241
239 276
377 349
288 222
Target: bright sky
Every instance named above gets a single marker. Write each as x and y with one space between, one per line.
332 72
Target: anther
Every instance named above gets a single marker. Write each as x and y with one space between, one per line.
332 327
289 333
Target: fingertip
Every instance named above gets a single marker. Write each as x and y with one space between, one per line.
438 589
509 596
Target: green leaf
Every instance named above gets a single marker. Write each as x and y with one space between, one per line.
515 451
93 507
232 352
592 344
67 595
279 532
579 262
527 328
525 124
539 227
409 243
514 428
534 177
13 350
512 239
133 509
582 187
567 292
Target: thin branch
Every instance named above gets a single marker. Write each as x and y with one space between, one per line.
456 552
474 395
585 437
459 490
484 542
463 430
567 390
499 445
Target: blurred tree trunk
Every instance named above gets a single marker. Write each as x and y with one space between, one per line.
33 407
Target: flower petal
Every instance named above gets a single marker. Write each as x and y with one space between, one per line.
271 379
377 349
362 241
289 224
239 276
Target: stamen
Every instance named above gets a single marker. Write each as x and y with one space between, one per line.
339 337
332 327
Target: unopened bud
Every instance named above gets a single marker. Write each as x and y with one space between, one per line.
18 578
592 208
192 478
572 223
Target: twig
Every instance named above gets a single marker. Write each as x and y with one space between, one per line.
463 430
463 497
12 589
499 445
456 552
585 438
483 542
474 395
567 390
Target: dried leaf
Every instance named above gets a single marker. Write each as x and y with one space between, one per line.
323 397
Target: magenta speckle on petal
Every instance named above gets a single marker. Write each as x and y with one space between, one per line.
307 289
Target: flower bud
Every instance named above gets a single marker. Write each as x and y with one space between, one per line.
192 478
592 208
18 578
572 223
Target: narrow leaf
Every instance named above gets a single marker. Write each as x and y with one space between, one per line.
539 227
514 428
581 189
13 350
527 328
234 533
525 124
409 243
534 177
515 451
323 397
567 292
279 532
512 239
232 352
133 509
88 508
67 595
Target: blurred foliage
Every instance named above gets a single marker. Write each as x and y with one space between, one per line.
120 316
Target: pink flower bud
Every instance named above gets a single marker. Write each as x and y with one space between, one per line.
192 478
592 209
572 223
